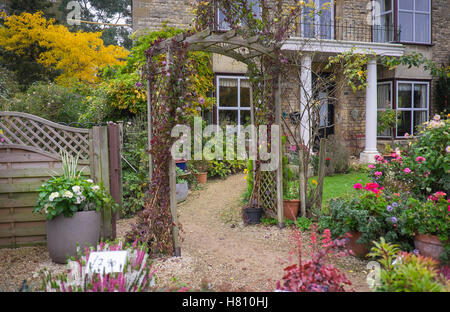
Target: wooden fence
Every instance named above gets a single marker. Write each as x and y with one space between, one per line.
30 154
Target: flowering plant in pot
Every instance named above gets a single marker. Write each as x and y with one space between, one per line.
429 223
371 214
72 206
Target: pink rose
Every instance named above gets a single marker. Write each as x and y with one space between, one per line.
371 166
378 174
420 159
407 170
358 186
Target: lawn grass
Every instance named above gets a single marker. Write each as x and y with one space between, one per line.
341 184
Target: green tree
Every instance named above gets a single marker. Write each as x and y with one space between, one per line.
105 11
15 7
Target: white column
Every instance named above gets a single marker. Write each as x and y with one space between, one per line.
305 98
368 155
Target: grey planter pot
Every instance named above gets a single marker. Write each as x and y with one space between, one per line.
63 234
182 192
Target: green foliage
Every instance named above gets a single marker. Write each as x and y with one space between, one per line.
8 87
441 94
224 168
292 190
385 251
433 144
406 272
387 119
374 215
416 59
50 101
103 11
354 67
61 196
135 183
430 217
303 223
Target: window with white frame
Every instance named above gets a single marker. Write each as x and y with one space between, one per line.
318 22
412 106
253 4
383 21
384 101
414 20
233 100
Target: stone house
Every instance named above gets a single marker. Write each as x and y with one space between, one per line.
383 27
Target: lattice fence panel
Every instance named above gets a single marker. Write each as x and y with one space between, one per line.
269 193
22 129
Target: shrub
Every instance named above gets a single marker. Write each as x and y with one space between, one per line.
8 87
50 101
135 170
431 217
408 272
315 275
136 276
424 168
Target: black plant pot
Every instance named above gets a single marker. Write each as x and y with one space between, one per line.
253 215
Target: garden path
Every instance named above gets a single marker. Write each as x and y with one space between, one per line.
218 249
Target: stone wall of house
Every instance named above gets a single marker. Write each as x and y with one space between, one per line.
153 14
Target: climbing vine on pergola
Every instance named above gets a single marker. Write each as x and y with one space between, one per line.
256 44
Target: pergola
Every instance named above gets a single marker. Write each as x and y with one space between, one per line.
242 49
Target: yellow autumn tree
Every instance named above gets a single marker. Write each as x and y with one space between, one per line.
79 55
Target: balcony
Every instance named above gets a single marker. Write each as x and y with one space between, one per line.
347 31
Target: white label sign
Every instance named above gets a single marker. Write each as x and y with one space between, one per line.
106 261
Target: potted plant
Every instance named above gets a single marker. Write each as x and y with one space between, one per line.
291 201
429 223
362 219
200 170
253 210
72 207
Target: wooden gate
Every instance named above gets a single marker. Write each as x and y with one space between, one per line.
30 154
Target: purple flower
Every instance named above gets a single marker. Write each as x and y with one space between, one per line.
389 208
138 85
394 205
416 252
394 219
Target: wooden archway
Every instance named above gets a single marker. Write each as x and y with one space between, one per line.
235 46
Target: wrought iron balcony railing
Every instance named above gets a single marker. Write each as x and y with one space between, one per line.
349 31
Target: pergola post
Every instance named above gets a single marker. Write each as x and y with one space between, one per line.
280 154
173 188
149 131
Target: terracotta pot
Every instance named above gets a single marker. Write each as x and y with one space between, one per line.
63 234
201 177
359 250
428 245
290 209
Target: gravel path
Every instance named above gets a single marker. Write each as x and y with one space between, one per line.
217 249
